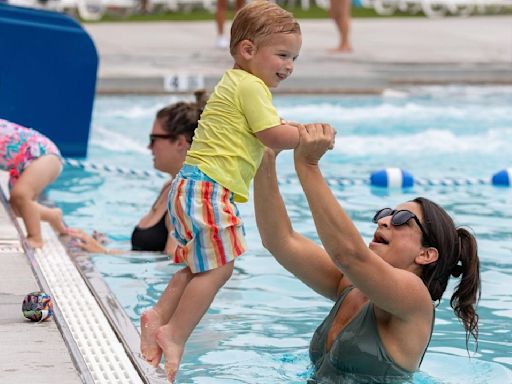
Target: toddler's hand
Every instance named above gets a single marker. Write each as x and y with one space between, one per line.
315 140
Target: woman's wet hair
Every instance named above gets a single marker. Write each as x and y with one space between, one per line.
458 257
182 117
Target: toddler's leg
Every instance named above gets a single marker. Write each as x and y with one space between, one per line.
54 217
30 184
195 301
154 318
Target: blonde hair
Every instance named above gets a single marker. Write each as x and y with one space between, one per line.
259 20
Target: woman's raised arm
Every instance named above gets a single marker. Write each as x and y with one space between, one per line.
299 255
395 290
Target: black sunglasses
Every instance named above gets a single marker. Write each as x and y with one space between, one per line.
154 136
400 217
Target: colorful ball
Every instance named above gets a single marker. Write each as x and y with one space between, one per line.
37 306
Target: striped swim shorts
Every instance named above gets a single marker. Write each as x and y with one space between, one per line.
206 221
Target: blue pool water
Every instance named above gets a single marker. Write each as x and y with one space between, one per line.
259 327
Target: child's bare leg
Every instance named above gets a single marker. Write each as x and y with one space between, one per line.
54 217
154 318
30 184
195 301
23 206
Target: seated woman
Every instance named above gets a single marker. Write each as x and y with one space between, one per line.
169 142
381 323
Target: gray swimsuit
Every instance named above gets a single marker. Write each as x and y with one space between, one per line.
357 351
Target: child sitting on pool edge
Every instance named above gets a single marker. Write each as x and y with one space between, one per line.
238 121
33 162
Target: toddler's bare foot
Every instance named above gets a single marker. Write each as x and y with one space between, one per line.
56 220
149 324
173 351
35 241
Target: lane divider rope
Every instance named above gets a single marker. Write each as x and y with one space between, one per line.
386 178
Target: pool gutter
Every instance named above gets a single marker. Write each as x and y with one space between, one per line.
116 315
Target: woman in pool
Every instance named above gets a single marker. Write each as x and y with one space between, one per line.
384 293
169 142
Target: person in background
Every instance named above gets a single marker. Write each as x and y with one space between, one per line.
381 323
340 10
169 141
33 162
222 41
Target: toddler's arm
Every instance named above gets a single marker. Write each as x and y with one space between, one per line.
283 136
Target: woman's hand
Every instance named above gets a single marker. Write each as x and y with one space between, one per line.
86 242
315 140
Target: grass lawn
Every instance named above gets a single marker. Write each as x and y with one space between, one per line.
314 12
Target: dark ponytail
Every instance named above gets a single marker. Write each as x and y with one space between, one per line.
458 257
468 291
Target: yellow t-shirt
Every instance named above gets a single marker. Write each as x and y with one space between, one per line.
224 146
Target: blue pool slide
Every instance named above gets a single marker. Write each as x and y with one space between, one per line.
47 75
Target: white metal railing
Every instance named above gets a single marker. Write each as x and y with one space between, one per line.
95 9
437 8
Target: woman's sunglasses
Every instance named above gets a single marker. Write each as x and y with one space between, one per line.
155 136
400 217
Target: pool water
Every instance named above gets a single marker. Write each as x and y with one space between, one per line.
258 328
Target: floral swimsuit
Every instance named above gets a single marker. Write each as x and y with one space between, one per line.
20 146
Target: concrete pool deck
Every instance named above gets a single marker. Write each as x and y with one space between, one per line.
138 57
388 52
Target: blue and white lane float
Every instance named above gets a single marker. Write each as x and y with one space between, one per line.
503 178
391 178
